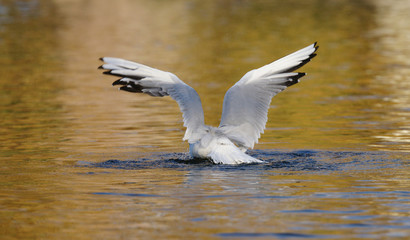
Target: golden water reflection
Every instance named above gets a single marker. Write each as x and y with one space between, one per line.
394 32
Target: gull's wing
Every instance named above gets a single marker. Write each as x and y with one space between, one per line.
138 78
246 104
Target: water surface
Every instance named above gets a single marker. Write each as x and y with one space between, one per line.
81 160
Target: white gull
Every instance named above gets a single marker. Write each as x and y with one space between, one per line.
245 106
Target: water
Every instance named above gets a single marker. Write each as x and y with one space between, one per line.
80 160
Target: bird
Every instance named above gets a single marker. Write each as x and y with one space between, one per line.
245 105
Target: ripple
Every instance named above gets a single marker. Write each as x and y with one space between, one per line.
276 235
301 160
126 194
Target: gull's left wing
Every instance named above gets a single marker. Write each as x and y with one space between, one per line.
246 104
138 78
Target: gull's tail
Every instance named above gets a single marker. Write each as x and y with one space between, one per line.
227 153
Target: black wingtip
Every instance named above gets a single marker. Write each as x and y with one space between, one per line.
128 89
117 82
301 74
100 67
107 72
101 59
132 88
294 79
312 55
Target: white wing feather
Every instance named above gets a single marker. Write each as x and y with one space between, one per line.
246 104
136 77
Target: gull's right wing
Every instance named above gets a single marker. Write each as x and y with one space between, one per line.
246 104
138 78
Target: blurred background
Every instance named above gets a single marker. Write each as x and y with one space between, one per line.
57 109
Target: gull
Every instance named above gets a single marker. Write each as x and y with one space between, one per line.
245 105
